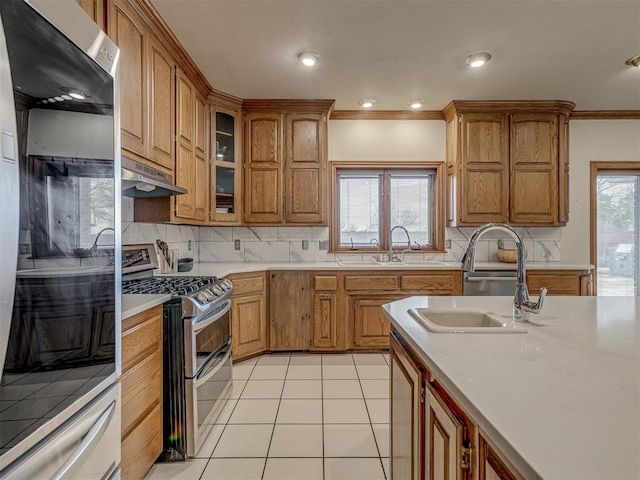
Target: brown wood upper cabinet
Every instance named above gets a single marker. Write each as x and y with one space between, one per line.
191 161
285 162
225 147
507 162
146 87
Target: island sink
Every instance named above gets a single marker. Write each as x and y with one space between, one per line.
463 320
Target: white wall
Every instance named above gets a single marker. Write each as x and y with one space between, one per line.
606 140
386 140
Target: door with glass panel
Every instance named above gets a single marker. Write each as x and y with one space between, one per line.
617 219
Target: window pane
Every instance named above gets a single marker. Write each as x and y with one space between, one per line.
618 226
411 208
359 209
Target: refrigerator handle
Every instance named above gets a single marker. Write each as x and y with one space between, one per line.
84 450
9 197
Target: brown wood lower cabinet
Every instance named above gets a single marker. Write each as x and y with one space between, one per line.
560 282
249 326
366 292
370 325
431 436
290 306
407 414
141 392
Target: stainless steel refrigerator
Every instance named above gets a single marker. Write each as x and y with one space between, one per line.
60 244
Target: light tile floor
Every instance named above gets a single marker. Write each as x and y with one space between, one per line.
298 417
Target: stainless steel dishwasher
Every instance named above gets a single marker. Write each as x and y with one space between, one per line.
493 282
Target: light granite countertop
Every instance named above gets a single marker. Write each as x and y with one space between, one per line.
222 269
563 400
135 303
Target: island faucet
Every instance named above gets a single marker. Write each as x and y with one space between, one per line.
522 306
393 257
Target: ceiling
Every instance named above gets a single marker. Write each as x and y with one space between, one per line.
398 50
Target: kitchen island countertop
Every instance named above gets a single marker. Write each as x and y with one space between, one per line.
563 400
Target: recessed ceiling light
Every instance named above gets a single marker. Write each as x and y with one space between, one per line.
66 97
416 103
59 99
367 102
308 59
477 60
635 61
77 95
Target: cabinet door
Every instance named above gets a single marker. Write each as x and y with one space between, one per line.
370 325
200 180
248 325
325 321
128 31
263 168
484 168
226 166
557 282
491 466
534 169
443 442
407 415
305 169
185 155
161 105
290 308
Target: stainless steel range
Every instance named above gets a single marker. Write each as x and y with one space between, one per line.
197 348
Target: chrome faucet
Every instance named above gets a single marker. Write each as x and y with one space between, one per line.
392 257
522 306
94 247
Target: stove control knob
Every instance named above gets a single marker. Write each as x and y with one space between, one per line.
217 289
209 294
226 284
201 297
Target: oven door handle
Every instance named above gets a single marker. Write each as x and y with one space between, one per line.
208 370
205 322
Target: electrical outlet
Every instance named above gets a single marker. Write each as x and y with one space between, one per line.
189 245
236 244
501 244
447 243
305 244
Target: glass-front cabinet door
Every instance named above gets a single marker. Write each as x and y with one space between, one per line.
226 165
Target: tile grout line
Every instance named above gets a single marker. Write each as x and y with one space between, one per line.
266 458
373 432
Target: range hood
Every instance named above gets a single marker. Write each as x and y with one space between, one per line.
141 181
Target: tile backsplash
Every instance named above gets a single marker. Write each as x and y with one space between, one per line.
311 244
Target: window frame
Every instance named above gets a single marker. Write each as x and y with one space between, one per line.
437 207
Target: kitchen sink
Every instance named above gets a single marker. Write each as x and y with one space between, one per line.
463 320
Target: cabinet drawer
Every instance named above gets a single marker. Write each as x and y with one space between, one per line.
141 390
142 446
325 282
371 282
243 285
443 284
142 337
556 282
